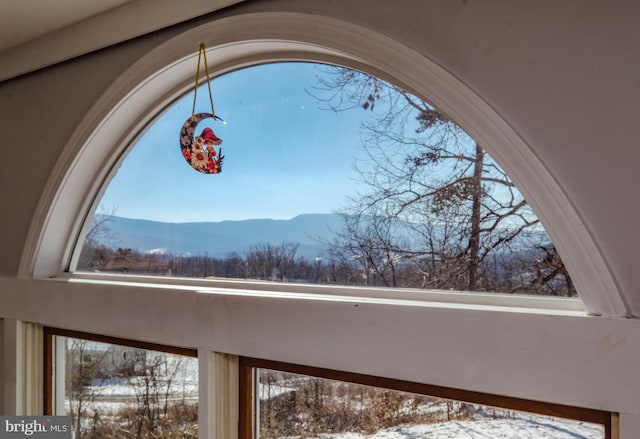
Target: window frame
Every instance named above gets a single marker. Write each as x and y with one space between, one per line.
408 296
166 72
247 402
462 298
50 333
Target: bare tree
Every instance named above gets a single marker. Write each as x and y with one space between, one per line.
424 174
369 244
95 250
272 262
84 364
154 376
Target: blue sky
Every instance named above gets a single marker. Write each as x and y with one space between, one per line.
283 154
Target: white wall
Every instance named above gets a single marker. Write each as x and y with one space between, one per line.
563 75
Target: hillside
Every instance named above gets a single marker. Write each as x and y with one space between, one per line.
218 239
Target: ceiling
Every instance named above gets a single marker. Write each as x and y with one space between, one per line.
39 33
22 21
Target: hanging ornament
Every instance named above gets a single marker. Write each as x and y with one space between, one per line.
200 151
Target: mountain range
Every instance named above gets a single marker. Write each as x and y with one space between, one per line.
219 239
311 232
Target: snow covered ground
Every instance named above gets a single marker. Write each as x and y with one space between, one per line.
521 428
477 421
110 396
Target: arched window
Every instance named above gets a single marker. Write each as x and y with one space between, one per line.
155 82
332 176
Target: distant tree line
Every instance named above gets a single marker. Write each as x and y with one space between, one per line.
531 271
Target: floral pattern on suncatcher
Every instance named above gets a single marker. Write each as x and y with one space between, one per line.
200 151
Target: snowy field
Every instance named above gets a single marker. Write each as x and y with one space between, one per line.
533 428
521 426
108 397
483 423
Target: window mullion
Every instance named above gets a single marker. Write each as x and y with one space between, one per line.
218 395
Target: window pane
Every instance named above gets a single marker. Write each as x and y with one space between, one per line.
125 392
299 406
330 176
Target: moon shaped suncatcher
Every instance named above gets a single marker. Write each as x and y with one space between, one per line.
199 151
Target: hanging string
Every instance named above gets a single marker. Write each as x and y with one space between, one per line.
202 55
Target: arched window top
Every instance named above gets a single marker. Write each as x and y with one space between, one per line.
158 78
328 176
